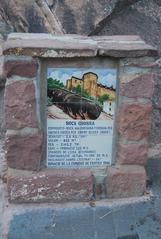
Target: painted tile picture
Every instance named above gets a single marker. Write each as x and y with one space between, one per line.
81 93
80 116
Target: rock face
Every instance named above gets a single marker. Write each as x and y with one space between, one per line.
70 16
142 18
38 16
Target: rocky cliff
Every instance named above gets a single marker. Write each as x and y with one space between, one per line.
59 16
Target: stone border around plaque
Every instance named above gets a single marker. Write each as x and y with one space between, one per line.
27 58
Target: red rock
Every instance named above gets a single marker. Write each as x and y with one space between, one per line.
126 50
125 181
20 105
72 46
141 86
134 120
21 68
132 154
24 151
56 185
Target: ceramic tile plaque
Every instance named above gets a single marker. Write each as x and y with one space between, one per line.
80 116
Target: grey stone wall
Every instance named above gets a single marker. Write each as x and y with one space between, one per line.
1 110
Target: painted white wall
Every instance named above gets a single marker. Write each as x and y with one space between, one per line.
109 107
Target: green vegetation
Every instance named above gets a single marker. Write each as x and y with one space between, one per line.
49 101
81 92
103 98
76 89
53 83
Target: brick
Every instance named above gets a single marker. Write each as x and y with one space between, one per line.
125 181
134 120
24 151
20 105
56 185
132 154
141 86
21 68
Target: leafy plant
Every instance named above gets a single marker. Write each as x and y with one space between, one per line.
53 83
77 89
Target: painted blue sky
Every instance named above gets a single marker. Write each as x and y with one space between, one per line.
106 77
